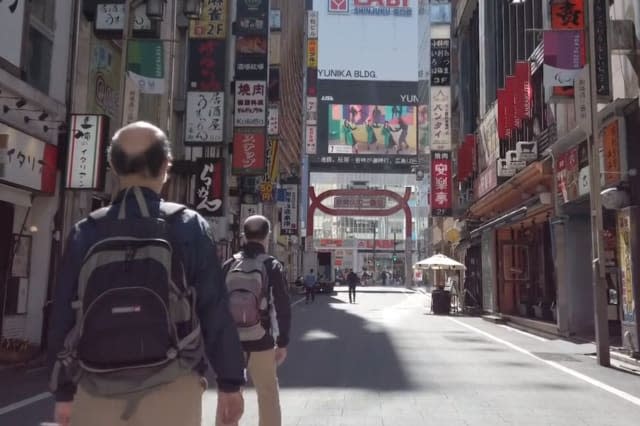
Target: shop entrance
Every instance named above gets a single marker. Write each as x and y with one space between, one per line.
6 239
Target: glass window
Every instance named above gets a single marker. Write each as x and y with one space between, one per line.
44 12
39 60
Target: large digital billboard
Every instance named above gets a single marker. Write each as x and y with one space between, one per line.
372 129
371 40
368 124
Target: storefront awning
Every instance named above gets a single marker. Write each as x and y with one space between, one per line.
509 195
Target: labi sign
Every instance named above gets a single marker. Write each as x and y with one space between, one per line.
371 7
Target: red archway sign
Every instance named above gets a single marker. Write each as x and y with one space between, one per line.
402 204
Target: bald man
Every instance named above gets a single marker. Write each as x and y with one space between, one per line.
140 155
263 354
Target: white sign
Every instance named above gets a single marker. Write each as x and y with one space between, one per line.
514 162
131 101
312 110
85 151
312 140
247 210
584 179
312 24
250 103
111 17
581 99
527 151
489 141
289 223
11 22
205 113
367 40
273 126
440 118
275 19
23 160
505 169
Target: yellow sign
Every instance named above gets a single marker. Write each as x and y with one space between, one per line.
312 54
212 22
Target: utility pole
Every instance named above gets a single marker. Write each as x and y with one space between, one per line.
597 247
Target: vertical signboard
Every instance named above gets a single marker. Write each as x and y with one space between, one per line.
206 70
85 156
567 16
440 118
441 184
250 101
204 117
440 62
209 188
212 22
610 154
603 71
289 220
312 24
248 152
626 228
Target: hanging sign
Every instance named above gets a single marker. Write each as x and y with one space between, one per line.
212 22
250 104
440 118
209 188
440 62
311 140
289 221
204 117
85 157
441 184
206 70
273 127
248 153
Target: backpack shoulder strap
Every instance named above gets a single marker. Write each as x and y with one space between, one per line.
99 214
171 210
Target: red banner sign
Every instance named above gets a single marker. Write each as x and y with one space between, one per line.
441 184
524 97
465 158
248 153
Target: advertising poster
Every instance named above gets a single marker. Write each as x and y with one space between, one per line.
206 68
367 40
250 100
209 187
248 153
372 129
212 22
204 117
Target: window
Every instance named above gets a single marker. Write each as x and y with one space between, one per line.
44 12
39 60
40 44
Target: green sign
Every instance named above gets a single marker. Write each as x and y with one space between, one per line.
145 65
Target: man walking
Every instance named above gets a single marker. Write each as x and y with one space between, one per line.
310 282
127 341
352 281
260 308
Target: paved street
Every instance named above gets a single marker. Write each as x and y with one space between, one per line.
384 361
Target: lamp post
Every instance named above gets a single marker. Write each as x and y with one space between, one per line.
597 247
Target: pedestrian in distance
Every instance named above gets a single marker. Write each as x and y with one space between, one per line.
352 281
310 282
260 308
140 303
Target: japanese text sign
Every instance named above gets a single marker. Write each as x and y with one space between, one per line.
212 21
27 161
250 103
204 117
312 24
440 118
111 17
312 53
610 153
440 62
209 188
441 184
248 153
85 157
312 140
273 126
289 221
206 65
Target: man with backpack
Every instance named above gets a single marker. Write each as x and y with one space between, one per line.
140 303
261 310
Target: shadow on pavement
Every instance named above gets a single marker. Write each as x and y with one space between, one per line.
334 348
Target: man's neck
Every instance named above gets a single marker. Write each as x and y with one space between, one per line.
130 182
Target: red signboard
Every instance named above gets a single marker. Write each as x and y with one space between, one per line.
513 121
568 15
524 98
503 128
206 65
441 184
465 158
248 153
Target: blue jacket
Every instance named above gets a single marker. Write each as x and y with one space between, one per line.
203 271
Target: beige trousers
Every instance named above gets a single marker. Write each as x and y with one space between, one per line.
262 371
178 403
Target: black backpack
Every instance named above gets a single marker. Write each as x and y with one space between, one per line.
136 326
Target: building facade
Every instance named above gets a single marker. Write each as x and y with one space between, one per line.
523 165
